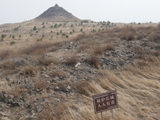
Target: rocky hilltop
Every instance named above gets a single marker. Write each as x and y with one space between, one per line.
56 14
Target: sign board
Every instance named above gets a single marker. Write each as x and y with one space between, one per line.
105 101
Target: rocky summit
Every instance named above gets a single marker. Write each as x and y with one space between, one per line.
56 14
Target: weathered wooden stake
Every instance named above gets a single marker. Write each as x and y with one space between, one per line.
112 113
101 116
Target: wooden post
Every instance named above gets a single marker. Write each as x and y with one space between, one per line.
101 116
112 113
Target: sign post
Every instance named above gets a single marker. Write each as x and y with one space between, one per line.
112 113
105 101
101 116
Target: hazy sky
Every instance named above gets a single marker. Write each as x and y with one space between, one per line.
12 11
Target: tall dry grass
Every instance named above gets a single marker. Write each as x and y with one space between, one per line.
138 92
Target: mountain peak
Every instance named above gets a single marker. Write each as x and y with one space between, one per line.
56 14
56 5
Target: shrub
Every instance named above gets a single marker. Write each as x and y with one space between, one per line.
63 34
15 29
11 43
40 39
20 36
73 31
13 36
55 26
60 25
3 36
67 36
35 28
93 30
84 21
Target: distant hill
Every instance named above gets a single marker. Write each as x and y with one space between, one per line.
56 14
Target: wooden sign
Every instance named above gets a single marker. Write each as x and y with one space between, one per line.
105 101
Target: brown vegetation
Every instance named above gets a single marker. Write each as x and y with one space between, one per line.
45 84
93 61
71 60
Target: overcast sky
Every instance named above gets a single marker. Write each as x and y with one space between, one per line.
12 11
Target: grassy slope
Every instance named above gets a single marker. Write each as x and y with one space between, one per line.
137 83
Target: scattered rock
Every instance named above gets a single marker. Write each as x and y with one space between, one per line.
39 108
56 88
77 64
47 76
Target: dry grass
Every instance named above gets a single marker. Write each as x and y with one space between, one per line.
17 92
135 94
37 49
140 36
82 48
109 47
156 53
29 71
84 87
60 109
4 54
46 114
98 51
71 60
93 61
59 73
127 36
8 64
155 37
47 61
137 85
40 84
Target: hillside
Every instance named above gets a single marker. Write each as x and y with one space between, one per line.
54 78
56 14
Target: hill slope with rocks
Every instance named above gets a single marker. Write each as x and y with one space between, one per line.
55 80
56 14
